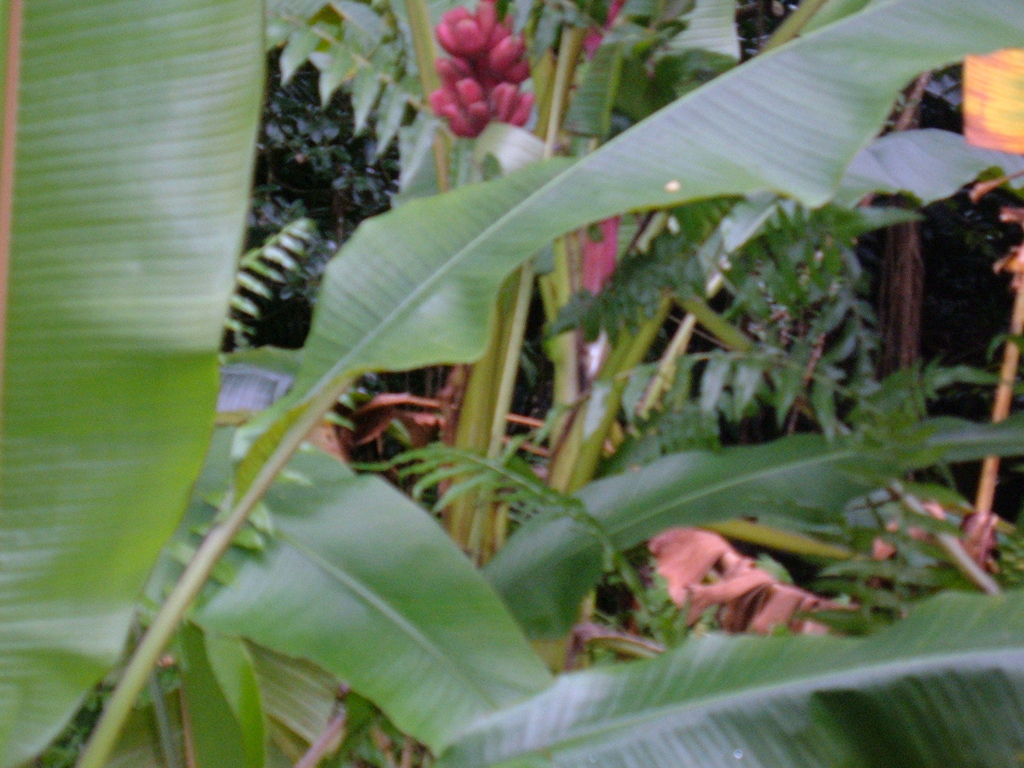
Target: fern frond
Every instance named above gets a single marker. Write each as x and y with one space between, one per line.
508 479
261 271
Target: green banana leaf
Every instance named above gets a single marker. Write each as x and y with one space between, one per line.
135 136
361 581
217 735
299 698
553 560
140 745
929 164
942 688
710 26
414 287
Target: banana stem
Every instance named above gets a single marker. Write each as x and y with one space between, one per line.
568 54
426 52
795 24
727 333
510 365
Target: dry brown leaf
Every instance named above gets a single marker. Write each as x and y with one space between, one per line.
703 570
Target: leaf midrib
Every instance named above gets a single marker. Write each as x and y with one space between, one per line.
583 737
372 599
726 485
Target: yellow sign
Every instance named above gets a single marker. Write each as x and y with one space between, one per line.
994 100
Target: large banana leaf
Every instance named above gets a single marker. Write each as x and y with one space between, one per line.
414 287
943 688
929 164
360 580
553 560
550 563
134 143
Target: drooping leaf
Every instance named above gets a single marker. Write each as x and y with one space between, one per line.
361 581
134 146
296 51
233 669
364 18
140 745
300 696
299 9
944 687
216 735
365 90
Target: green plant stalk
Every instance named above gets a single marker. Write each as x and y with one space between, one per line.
793 25
168 744
569 49
475 414
556 287
662 380
774 538
624 357
510 364
423 46
482 422
139 667
727 333
542 73
576 461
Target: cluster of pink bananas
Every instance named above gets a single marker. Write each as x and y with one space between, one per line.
481 81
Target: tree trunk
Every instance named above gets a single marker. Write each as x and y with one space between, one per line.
900 298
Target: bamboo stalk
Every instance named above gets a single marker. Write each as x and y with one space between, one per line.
983 521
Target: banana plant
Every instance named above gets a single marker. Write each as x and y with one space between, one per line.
414 287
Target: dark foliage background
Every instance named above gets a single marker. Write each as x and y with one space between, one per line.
309 164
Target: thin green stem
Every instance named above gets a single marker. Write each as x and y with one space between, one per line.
623 359
794 25
950 543
663 378
426 52
568 54
775 538
727 333
169 747
217 541
510 365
